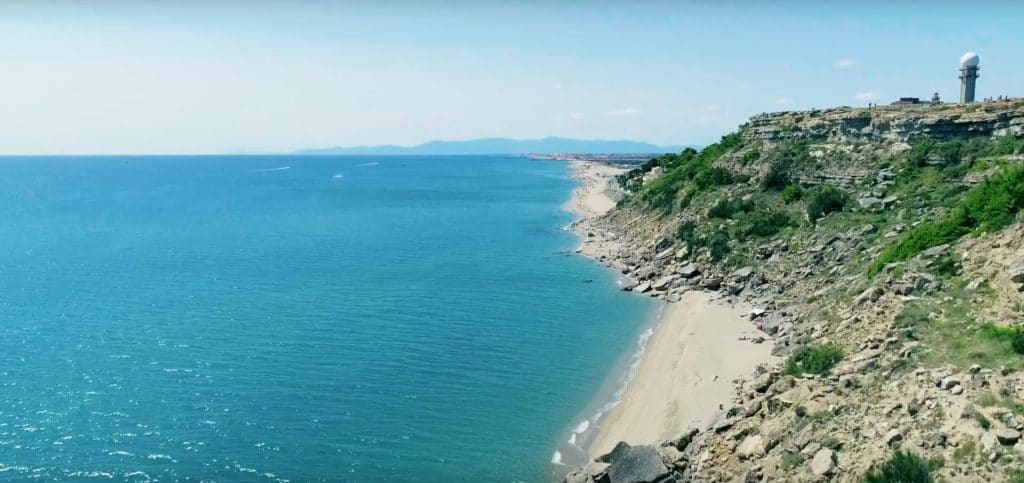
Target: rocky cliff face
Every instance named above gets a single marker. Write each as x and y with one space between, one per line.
928 361
890 123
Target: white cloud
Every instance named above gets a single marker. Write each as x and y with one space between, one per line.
558 86
626 111
576 116
865 96
783 102
844 63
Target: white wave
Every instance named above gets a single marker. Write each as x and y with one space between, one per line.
264 170
556 458
634 367
572 439
119 453
583 426
368 164
337 176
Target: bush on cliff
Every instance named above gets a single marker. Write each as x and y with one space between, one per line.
990 206
729 207
693 169
792 193
902 467
824 200
762 223
1018 342
813 359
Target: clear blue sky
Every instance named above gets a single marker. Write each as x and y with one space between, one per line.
213 77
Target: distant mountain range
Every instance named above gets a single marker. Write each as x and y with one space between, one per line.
548 145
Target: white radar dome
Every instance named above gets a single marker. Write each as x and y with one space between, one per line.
969 59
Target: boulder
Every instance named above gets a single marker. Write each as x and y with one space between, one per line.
742 274
751 448
578 475
764 381
866 230
712 283
683 440
870 203
870 295
635 464
688 271
1016 270
1008 437
893 437
644 273
643 287
662 283
661 244
935 251
949 382
823 462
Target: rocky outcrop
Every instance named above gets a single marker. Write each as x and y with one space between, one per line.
634 464
890 123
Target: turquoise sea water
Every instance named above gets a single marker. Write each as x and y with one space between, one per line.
344 319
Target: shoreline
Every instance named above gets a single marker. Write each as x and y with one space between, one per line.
695 349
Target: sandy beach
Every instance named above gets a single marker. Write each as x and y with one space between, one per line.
686 375
698 348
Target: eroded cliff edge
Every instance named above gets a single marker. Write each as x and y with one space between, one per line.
883 252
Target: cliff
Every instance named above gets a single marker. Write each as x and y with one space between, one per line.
884 252
898 124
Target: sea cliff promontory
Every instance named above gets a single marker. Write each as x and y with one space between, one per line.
881 253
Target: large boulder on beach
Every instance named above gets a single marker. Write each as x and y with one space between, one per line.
634 464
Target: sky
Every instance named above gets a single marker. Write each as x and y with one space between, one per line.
191 77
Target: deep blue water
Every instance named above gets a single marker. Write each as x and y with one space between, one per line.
346 319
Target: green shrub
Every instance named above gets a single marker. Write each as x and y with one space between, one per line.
982 420
716 242
792 193
946 266
764 223
813 359
902 467
689 172
718 245
776 178
728 208
791 460
990 206
824 200
1018 342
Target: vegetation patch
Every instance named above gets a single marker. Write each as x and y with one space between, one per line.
902 467
926 150
763 223
990 206
792 193
824 200
728 208
953 334
813 359
689 172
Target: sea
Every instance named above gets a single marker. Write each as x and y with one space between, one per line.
300 318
